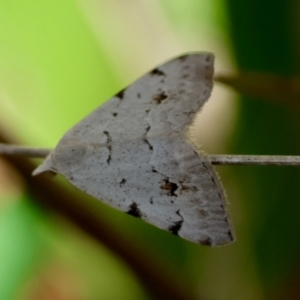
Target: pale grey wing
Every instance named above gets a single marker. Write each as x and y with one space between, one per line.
161 102
163 181
164 100
122 153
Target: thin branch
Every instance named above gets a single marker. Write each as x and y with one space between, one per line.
264 160
23 151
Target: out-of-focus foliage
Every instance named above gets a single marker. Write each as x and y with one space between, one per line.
265 39
20 245
61 59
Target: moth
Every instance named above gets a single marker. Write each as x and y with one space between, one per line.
137 154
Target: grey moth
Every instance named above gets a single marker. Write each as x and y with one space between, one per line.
136 153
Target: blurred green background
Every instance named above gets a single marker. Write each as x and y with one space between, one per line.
61 59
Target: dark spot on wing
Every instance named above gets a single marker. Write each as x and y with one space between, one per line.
115 114
121 94
134 210
147 142
108 136
138 95
195 152
175 227
230 234
147 129
157 72
171 187
108 141
160 97
154 171
206 241
122 182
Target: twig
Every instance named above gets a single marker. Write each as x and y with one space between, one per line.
263 160
278 160
23 151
